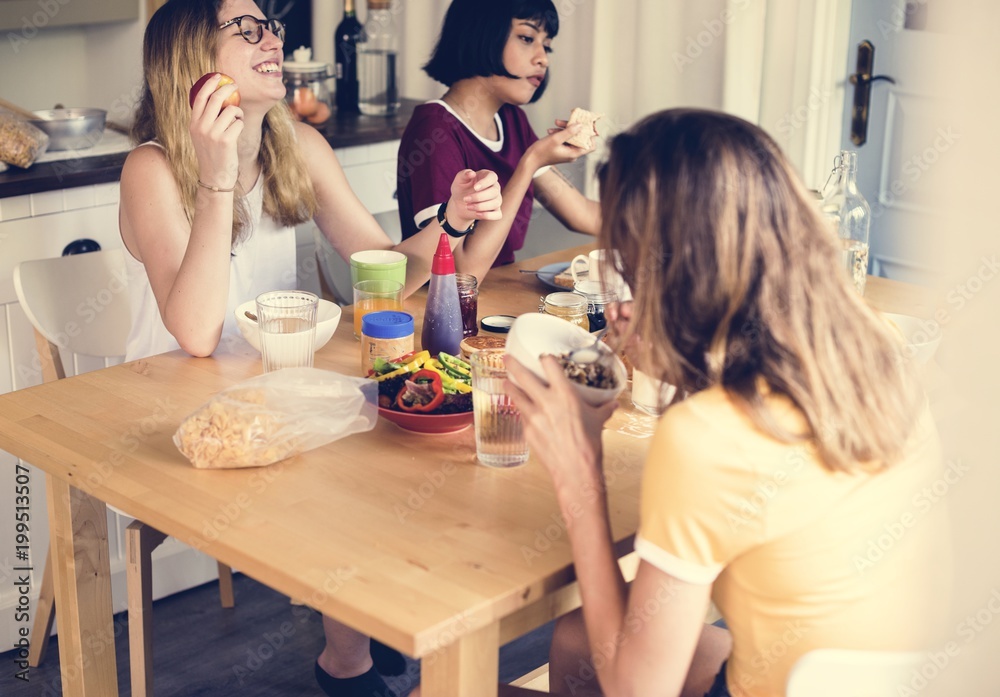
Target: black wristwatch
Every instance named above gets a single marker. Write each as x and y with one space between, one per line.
452 232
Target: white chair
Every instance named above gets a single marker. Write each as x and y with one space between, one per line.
852 673
79 304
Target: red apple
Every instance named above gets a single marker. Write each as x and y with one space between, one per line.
233 99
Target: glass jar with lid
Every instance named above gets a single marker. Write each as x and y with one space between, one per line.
571 307
306 89
597 296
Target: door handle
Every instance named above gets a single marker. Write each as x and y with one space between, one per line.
862 81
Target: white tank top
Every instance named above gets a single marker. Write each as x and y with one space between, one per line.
264 260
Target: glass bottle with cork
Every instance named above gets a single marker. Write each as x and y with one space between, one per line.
345 46
378 51
845 206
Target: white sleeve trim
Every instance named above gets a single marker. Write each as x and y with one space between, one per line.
426 215
542 170
682 570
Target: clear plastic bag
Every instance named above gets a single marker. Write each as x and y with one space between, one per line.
20 142
276 416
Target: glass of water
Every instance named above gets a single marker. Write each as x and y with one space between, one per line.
500 440
287 323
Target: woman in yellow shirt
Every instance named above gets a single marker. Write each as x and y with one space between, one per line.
787 485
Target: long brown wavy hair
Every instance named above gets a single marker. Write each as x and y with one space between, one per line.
736 280
178 48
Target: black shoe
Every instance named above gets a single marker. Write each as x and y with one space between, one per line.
388 661
368 684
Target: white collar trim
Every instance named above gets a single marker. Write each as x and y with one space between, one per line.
494 145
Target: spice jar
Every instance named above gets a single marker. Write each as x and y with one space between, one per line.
305 81
386 334
468 300
571 307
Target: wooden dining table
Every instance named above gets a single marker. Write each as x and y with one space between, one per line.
400 535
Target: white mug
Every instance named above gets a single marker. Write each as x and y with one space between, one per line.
598 267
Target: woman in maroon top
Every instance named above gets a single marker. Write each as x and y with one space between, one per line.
494 57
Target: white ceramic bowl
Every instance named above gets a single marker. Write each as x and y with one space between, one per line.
327 319
534 335
922 337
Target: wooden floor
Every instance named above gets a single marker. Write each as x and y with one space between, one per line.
263 646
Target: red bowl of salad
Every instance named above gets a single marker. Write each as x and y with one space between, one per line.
424 393
428 423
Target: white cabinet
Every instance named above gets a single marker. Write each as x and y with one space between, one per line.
40 226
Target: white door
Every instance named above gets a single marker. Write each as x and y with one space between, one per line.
901 166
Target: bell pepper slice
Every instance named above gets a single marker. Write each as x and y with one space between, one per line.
411 364
422 393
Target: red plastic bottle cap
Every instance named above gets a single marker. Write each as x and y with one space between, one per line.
444 261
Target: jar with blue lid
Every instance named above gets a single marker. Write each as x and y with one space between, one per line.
386 334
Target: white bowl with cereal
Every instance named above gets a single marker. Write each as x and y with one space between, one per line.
535 335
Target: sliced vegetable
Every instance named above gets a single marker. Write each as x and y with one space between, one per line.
422 393
451 384
411 364
455 365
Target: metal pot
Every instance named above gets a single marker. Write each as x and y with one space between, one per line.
71 129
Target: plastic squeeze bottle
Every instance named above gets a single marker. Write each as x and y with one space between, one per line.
442 329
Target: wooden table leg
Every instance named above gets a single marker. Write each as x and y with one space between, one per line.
470 667
82 569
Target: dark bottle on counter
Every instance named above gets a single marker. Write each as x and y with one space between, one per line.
345 43
442 329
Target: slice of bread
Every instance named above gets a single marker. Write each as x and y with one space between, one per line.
585 138
565 279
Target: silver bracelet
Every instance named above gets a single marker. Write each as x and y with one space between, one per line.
215 188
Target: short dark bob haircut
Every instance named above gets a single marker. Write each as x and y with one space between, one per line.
475 33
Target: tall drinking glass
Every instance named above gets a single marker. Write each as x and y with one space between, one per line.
287 323
373 296
500 440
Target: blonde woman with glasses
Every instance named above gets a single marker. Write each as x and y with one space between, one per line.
210 198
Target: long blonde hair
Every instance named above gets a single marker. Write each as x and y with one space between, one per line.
737 280
178 48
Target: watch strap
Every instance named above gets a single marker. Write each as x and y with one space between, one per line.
452 232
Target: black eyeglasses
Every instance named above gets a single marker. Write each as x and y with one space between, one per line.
252 28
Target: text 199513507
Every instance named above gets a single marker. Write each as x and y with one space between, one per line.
22 572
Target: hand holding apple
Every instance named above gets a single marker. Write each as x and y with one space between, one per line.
231 100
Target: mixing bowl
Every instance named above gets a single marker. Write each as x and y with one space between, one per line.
71 129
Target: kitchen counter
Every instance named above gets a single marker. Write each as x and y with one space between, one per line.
340 131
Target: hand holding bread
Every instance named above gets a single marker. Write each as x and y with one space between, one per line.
588 128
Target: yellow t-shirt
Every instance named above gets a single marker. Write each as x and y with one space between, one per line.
800 557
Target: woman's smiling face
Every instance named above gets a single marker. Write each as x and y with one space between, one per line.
256 68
